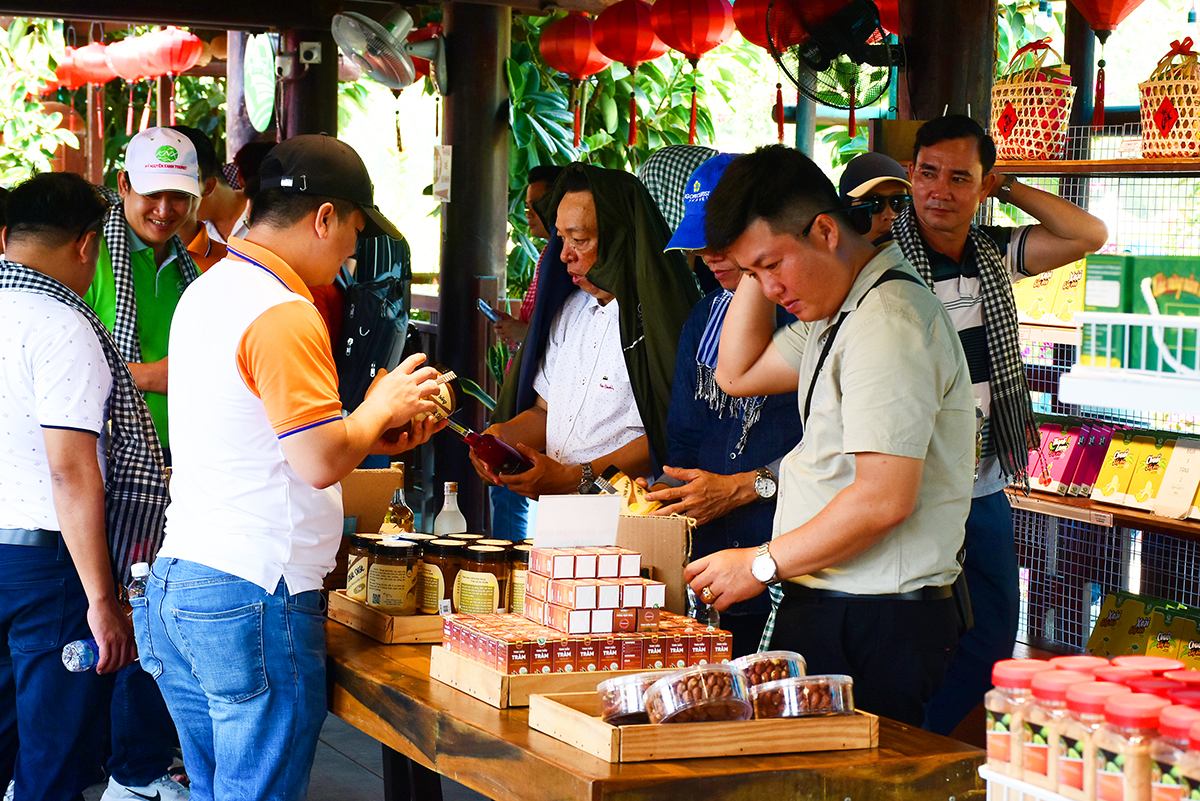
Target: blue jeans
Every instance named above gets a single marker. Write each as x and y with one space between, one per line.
512 514
991 569
51 720
243 673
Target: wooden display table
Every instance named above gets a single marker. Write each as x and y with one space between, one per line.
385 691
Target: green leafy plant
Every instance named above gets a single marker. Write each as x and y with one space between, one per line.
29 51
843 146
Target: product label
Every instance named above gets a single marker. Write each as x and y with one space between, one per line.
356 578
433 588
476 593
1110 775
1070 763
1037 748
392 587
517 607
1166 782
1189 786
998 737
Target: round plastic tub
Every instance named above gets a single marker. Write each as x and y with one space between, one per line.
804 696
623 699
705 692
770 666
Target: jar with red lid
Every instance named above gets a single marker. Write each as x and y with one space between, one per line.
1157 665
1120 675
1189 677
1081 663
1077 749
1123 746
1155 685
1167 751
1043 725
1189 766
1005 706
1187 697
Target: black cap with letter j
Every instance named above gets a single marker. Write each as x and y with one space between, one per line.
321 165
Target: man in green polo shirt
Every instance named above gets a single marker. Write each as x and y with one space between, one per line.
142 270
144 266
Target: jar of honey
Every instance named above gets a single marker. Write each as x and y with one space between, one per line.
439 569
392 578
481 586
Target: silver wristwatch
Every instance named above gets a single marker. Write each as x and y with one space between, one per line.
587 482
763 567
1004 193
765 485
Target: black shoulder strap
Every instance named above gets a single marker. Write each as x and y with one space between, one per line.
889 275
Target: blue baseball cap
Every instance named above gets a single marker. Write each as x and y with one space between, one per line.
703 180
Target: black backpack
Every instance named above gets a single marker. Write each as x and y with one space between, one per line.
374 318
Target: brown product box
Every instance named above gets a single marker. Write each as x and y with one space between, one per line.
649 618
632 593
631 563
564 656
633 652
624 620
541 655
602 621
677 650
655 649
610 652
587 659
537 586
553 562
608 593
663 545
608 562
699 648
513 656
365 496
450 633
722 646
536 610
569 621
573 593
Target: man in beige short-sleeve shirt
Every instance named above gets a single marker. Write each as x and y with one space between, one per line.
873 501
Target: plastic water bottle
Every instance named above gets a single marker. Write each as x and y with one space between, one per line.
83 655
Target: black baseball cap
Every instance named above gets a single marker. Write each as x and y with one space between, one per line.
867 171
322 165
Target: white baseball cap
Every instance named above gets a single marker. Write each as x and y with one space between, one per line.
162 160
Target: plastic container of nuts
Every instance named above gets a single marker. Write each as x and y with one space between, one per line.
623 699
770 666
705 692
804 696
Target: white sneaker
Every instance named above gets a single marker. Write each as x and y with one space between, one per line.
8 794
162 789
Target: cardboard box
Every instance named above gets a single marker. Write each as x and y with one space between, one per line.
624 620
1181 481
1068 299
1116 471
664 544
649 618
1034 297
1123 626
365 497
1090 460
569 621
1167 286
1148 473
574 593
1107 288
1047 465
602 621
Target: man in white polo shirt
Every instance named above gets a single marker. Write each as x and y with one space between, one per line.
232 626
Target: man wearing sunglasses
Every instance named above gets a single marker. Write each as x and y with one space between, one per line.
971 269
875 187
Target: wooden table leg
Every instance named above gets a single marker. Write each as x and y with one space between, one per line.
405 780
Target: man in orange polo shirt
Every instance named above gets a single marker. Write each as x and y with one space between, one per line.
203 249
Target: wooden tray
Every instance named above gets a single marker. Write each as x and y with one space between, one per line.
503 691
382 626
574 718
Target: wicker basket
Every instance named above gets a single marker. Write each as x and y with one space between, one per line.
1170 102
1030 109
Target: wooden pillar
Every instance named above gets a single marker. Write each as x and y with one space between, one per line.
951 58
162 95
474 222
238 130
310 100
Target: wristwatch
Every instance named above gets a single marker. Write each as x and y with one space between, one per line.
765 485
587 484
763 567
1004 193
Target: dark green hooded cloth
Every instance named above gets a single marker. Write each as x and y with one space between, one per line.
654 290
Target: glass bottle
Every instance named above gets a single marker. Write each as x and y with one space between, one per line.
398 514
450 520
500 457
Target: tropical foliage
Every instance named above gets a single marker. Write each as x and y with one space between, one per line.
27 50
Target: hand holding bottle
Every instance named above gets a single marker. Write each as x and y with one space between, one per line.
113 633
405 391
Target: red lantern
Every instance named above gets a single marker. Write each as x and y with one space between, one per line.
65 74
567 46
128 61
623 33
1104 16
91 64
171 52
750 18
889 15
693 27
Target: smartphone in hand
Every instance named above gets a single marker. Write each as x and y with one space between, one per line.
488 311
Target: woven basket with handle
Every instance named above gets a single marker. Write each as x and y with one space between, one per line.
1031 107
1170 103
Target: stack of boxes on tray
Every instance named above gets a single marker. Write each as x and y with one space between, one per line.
586 609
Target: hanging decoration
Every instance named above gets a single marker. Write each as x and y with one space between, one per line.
172 51
92 66
623 33
128 62
693 27
1103 16
567 46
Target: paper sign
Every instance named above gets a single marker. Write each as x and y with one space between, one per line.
1008 120
1179 485
569 521
441 172
1166 116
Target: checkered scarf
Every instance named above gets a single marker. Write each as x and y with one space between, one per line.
135 491
665 176
1014 430
116 236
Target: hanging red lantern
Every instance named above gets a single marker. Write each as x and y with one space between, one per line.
750 18
623 33
567 46
889 15
1103 16
172 51
693 27
92 65
127 60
